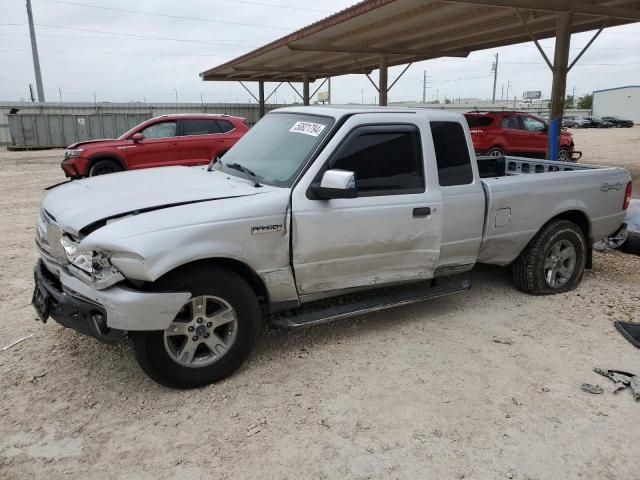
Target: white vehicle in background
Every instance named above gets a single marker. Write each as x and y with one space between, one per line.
386 206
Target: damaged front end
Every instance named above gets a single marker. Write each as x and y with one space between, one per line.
54 245
90 266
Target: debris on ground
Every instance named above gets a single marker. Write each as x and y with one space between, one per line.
7 347
630 331
502 340
622 380
590 388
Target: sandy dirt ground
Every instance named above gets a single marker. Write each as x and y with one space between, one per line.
483 385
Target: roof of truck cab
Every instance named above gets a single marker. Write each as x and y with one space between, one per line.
339 111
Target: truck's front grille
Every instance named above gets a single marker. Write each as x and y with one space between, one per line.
48 235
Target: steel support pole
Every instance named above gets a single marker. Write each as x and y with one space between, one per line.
558 91
34 52
261 97
305 88
384 79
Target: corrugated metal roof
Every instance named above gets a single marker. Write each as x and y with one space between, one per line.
616 88
352 40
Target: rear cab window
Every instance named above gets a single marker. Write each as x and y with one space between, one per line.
452 154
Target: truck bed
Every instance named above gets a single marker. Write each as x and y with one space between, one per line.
506 165
518 203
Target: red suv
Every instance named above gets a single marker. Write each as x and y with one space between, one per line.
515 133
161 141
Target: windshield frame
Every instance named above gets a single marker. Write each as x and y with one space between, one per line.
290 182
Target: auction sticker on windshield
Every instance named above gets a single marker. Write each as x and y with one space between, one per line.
307 128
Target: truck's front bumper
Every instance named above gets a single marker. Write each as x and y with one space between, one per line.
104 314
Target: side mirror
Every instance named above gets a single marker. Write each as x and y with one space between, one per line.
137 137
335 184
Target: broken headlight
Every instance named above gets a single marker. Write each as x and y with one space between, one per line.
90 265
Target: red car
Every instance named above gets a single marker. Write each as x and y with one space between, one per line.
192 139
515 133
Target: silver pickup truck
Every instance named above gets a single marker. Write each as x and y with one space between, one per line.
380 206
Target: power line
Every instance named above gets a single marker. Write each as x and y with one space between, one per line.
148 37
287 7
165 15
82 37
134 54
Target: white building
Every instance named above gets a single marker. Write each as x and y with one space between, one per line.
621 102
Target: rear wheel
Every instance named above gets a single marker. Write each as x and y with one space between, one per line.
103 167
495 152
553 262
209 338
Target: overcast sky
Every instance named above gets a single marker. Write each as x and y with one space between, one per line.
145 53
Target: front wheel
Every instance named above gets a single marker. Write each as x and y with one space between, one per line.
495 152
553 262
211 335
103 167
564 154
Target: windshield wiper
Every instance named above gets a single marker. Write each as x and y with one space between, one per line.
249 173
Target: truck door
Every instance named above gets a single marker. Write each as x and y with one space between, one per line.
391 232
463 197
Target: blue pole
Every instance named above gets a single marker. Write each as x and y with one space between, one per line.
553 139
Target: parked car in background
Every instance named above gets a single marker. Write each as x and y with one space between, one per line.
186 139
619 122
574 121
597 122
515 133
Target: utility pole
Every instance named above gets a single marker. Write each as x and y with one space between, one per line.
329 90
34 52
495 78
60 93
424 87
502 96
176 90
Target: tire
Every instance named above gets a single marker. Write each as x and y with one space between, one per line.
103 167
495 152
156 351
631 244
564 155
535 265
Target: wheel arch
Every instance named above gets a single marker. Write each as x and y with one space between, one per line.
240 268
578 218
93 159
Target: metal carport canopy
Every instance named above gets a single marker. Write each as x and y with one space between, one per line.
377 34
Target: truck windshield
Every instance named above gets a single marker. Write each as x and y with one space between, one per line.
277 147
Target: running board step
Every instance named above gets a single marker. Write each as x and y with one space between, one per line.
329 310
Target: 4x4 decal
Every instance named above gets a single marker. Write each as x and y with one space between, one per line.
610 186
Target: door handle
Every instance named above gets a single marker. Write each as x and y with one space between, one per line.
422 212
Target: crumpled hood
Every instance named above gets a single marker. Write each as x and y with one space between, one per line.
80 203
